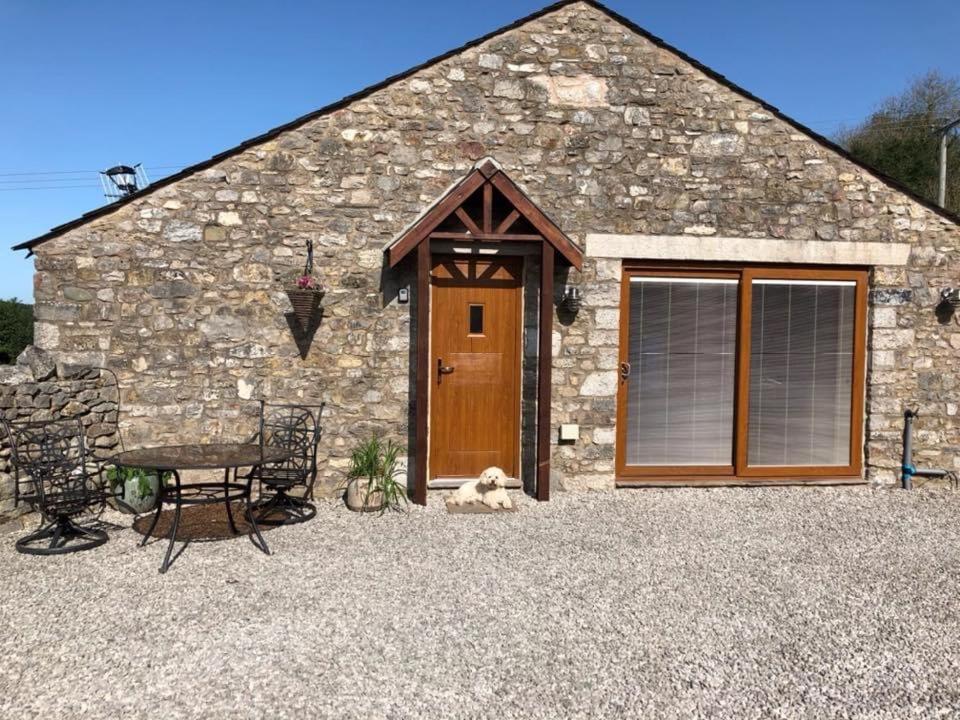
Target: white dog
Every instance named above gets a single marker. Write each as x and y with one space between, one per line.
490 489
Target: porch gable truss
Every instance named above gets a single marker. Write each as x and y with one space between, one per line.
485 206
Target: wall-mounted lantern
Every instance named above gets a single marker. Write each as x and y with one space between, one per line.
122 180
950 296
946 309
571 300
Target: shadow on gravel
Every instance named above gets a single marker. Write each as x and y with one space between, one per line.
202 523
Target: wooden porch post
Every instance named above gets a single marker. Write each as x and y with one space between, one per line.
423 372
544 371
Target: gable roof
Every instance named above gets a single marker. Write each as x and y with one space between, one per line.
489 179
343 102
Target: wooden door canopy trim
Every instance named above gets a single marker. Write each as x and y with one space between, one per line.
486 237
486 180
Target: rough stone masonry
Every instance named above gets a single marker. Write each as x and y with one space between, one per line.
180 292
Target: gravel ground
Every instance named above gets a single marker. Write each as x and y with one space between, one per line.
733 603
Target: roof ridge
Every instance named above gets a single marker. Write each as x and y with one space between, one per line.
386 82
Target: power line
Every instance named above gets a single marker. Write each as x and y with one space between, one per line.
58 179
49 187
31 181
48 172
905 124
80 172
867 120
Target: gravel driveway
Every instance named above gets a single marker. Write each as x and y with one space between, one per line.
733 603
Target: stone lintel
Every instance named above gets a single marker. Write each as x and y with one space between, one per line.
733 249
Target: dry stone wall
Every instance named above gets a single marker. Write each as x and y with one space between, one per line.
38 388
180 292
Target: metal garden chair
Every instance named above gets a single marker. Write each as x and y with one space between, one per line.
54 456
23 486
294 428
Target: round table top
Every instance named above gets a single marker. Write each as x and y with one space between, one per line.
201 456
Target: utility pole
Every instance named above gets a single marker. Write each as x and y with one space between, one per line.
944 133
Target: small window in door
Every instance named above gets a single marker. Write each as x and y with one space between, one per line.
476 319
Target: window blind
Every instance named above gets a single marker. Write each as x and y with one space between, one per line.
680 395
801 372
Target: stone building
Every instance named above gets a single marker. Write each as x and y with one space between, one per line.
728 298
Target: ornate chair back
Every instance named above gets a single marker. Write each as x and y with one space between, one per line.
293 428
53 455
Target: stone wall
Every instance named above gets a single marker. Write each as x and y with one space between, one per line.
37 388
179 292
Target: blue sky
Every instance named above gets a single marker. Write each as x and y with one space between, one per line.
85 85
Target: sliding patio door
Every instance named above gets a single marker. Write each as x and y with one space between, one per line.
751 372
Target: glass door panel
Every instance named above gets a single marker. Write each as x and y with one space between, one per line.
682 362
801 372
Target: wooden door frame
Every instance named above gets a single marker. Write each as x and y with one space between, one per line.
424 266
517 262
739 472
487 178
422 400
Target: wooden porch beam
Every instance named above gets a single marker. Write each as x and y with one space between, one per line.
421 407
468 222
508 221
488 208
488 169
434 217
545 371
485 237
538 219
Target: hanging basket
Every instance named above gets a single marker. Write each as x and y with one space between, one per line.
306 304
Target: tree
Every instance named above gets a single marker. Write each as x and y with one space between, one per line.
16 329
898 139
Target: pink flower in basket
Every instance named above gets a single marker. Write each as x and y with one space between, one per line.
306 282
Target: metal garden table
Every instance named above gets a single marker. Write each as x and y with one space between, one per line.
228 457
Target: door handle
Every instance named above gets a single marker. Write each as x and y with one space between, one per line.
624 371
443 369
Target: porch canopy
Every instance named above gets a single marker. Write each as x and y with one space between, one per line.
485 206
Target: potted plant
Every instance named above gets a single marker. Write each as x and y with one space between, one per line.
135 490
306 292
372 483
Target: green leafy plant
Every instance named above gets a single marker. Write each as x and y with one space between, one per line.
118 477
898 138
376 464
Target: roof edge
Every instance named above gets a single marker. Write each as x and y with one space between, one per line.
370 89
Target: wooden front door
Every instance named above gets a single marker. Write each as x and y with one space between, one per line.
475 369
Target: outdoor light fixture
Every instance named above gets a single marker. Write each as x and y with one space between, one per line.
122 180
571 300
946 309
123 177
950 296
